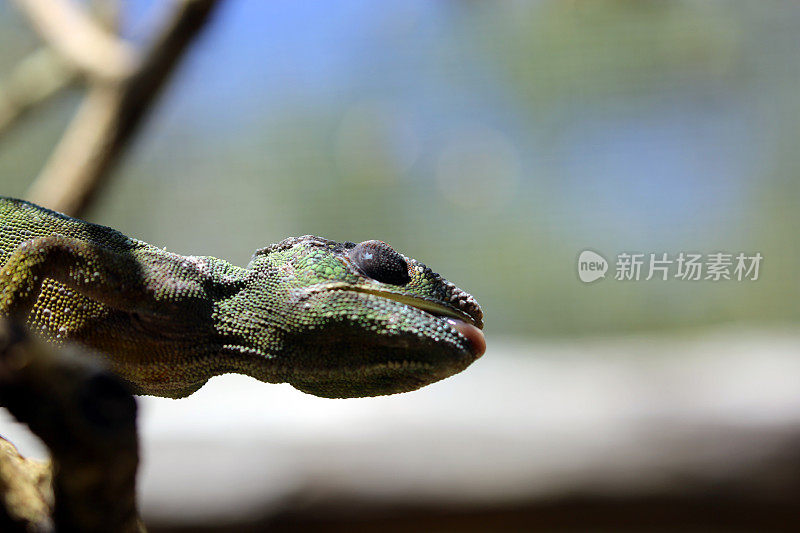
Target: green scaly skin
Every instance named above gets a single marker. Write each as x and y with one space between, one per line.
332 319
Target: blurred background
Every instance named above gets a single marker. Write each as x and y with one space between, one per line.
494 142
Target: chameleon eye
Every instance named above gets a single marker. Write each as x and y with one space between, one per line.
378 261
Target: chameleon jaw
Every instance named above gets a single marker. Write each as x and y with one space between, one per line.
414 348
404 375
466 325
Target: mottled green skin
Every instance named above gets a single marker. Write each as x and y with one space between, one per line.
299 312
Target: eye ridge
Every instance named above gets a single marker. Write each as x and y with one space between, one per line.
379 261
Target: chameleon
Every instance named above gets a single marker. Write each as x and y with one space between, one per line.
332 319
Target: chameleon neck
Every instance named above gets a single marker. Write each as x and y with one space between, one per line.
252 336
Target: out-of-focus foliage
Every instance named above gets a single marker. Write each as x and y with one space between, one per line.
494 141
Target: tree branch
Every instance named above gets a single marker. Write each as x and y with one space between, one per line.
111 114
71 32
35 79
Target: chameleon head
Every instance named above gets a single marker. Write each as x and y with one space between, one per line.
368 320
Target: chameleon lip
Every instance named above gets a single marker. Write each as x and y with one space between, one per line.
475 336
434 308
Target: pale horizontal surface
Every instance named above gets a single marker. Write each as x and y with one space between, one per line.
527 420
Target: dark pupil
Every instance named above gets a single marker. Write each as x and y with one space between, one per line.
378 261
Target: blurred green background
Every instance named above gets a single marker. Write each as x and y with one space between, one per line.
492 141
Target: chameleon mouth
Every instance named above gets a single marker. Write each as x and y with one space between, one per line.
473 335
466 325
430 306
471 314
422 343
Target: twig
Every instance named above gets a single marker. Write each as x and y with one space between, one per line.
110 115
70 31
35 79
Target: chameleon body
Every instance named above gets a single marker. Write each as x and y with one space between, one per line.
332 319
